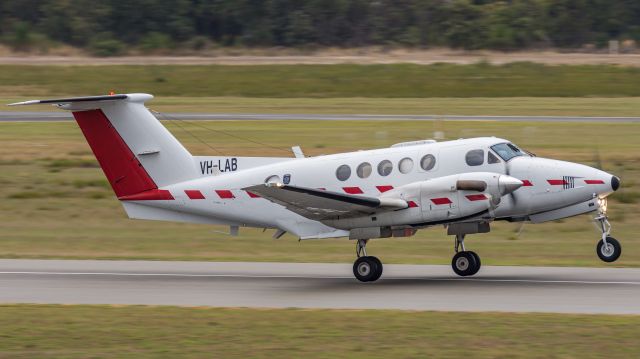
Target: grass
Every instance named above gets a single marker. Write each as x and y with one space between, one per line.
526 106
140 331
326 81
55 203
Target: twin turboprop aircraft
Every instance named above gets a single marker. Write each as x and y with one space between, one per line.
463 185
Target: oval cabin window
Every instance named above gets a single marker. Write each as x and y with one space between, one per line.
405 165
385 167
343 172
364 170
475 157
428 162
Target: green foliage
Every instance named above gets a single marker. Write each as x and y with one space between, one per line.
470 24
104 45
155 41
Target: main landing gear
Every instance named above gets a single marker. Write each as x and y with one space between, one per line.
608 248
464 263
366 268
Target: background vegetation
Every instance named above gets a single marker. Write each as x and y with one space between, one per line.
112 26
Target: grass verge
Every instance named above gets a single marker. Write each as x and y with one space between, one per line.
325 81
486 106
55 202
140 331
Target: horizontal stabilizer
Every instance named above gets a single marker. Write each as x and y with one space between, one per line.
72 100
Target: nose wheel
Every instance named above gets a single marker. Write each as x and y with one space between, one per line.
608 248
464 263
366 268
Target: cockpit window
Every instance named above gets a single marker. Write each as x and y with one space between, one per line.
491 158
507 151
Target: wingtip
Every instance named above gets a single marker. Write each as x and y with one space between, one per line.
23 103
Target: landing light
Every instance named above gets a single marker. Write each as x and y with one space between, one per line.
602 202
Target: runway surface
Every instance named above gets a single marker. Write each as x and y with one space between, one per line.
311 285
8 116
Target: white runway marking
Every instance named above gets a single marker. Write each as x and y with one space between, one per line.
314 277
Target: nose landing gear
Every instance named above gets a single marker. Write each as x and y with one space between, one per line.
464 263
366 268
608 248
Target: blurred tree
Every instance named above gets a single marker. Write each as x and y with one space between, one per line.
464 27
469 24
515 25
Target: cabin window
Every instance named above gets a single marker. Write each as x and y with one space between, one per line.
364 170
405 165
385 167
428 162
492 158
475 157
343 172
273 179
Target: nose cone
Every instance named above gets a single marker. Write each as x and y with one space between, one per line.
615 183
508 184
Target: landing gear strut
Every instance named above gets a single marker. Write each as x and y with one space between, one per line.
366 268
464 263
608 248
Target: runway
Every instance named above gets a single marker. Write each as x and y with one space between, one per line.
314 285
9 116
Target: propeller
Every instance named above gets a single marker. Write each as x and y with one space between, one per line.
514 200
597 159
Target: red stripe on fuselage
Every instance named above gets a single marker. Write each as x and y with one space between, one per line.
476 197
594 181
225 193
150 195
252 195
121 167
194 194
526 183
557 182
439 201
352 190
383 189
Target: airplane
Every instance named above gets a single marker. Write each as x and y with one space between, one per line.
463 185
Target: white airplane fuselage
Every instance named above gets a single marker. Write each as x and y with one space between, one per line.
548 185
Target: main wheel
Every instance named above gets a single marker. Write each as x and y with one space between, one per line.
378 267
464 264
609 252
478 263
365 269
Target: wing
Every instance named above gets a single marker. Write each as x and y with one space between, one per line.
320 205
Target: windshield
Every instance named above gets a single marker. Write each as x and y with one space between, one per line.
507 151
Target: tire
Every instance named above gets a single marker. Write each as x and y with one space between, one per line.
378 267
478 263
365 269
611 253
463 263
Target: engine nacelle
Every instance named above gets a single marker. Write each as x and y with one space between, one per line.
440 200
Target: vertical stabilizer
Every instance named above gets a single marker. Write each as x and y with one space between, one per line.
136 152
